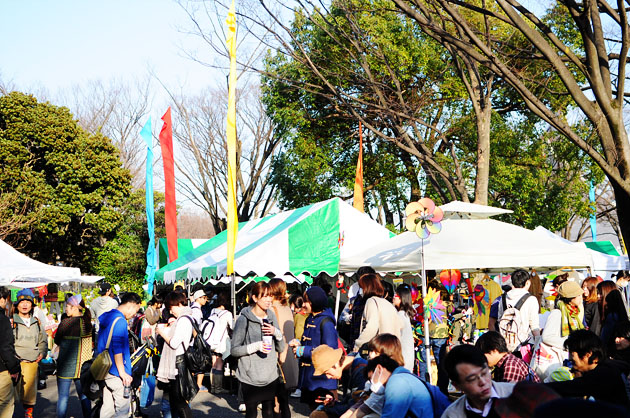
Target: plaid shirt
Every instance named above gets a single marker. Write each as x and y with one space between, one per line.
512 369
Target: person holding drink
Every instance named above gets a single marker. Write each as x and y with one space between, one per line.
256 342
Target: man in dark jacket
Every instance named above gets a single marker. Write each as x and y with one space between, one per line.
598 377
9 363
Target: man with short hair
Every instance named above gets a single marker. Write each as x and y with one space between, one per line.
506 366
405 394
104 303
529 309
598 377
468 370
9 363
199 300
114 403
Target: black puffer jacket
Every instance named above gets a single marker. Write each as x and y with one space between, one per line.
8 358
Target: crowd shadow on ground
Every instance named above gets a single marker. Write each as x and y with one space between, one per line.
205 404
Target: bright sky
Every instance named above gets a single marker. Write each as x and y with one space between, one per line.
56 44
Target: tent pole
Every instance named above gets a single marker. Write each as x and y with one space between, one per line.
233 292
338 297
427 346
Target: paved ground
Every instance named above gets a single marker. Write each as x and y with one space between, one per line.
204 404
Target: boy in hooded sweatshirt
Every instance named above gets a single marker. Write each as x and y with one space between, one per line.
104 303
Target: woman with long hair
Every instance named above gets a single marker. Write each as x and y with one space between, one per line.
612 311
74 339
31 345
591 308
256 342
319 329
288 363
177 336
379 316
404 304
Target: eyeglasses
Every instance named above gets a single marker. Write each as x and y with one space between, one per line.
483 374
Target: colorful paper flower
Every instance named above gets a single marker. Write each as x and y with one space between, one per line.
423 218
433 306
450 279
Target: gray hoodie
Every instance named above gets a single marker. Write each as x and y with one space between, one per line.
254 367
102 304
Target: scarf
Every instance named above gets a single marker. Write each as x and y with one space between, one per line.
570 318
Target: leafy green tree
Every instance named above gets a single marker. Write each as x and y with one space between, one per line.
122 260
67 185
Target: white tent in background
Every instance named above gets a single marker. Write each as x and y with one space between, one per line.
469 241
603 264
16 269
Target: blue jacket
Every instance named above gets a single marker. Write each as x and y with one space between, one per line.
120 339
406 396
315 334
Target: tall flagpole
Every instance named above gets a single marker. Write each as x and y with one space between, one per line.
146 135
232 217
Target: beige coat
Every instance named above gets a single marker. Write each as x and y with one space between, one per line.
287 359
379 317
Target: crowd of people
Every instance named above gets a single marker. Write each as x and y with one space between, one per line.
534 355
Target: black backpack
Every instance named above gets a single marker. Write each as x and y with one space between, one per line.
199 354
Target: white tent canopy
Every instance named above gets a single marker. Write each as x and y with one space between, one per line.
602 263
470 243
16 269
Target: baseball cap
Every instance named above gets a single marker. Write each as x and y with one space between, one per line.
198 294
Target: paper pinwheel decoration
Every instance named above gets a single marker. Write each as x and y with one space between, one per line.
450 279
482 299
433 306
423 218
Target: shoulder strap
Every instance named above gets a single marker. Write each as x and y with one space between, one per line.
111 330
325 320
504 302
522 301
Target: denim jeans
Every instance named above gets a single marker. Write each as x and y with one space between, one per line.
63 393
436 344
165 407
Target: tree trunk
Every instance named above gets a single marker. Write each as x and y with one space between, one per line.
622 198
484 116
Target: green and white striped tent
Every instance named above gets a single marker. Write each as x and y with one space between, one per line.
299 244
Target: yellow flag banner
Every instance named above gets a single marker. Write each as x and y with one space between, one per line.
357 202
232 217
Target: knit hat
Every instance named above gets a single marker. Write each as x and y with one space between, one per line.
318 298
25 294
561 374
74 300
324 357
570 290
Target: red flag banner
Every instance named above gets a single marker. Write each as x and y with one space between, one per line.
170 208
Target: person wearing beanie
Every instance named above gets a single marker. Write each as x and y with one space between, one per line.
74 338
319 329
31 345
564 319
104 303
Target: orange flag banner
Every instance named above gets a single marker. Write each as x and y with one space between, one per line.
358 179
